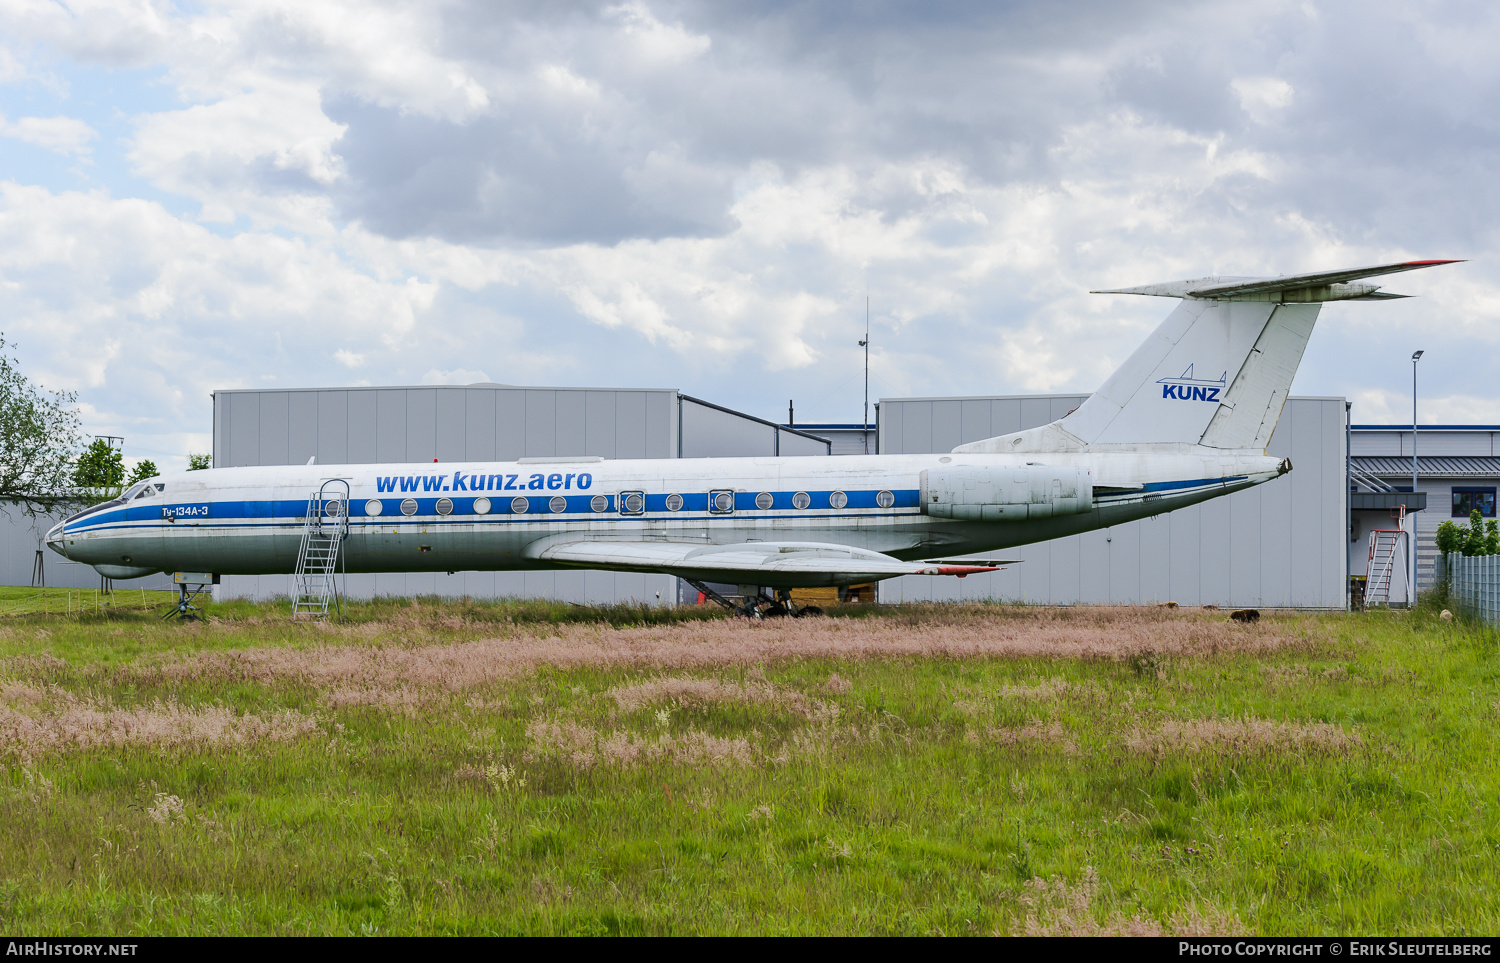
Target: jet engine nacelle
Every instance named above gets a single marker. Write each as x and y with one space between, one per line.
1007 494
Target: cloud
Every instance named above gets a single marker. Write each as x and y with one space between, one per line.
65 135
1260 97
458 376
678 193
11 67
146 313
267 153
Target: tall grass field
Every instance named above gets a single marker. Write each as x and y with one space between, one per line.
454 767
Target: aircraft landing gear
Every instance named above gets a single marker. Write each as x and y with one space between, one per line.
784 603
185 610
760 606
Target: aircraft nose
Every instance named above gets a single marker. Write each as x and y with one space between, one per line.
55 538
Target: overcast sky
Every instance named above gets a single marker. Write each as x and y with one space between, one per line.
292 194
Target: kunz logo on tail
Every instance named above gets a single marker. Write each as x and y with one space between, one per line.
1188 388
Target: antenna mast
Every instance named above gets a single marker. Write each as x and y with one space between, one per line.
864 427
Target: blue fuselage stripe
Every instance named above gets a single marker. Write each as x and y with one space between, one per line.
285 511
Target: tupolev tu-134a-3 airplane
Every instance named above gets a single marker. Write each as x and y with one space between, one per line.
1186 418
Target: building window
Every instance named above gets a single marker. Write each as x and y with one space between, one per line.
1465 500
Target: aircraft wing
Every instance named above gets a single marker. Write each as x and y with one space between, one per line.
1229 289
772 564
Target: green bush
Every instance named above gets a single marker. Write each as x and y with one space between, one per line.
1476 538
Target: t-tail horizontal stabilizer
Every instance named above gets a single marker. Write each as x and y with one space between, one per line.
1312 288
1254 330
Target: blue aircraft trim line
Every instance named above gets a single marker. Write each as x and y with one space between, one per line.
1194 483
438 521
537 504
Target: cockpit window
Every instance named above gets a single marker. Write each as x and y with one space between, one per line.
159 486
134 492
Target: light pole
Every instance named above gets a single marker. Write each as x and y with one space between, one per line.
1415 357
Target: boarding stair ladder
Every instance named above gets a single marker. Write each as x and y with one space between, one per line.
1386 546
320 558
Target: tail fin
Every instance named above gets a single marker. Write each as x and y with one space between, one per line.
1216 372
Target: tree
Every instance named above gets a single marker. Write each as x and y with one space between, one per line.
144 469
38 436
99 472
200 462
1450 539
1476 538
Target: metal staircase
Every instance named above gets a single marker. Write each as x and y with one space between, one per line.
1386 546
320 557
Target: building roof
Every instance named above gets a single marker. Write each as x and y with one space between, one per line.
1385 501
1446 466
826 426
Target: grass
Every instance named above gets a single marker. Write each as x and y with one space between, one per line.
467 768
19 600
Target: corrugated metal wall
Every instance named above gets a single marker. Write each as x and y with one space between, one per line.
1280 544
352 426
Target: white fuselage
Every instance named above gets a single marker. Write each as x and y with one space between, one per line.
492 516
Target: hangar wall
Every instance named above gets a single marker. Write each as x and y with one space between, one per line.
345 426
354 426
1279 544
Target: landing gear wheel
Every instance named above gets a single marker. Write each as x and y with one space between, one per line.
808 611
775 610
